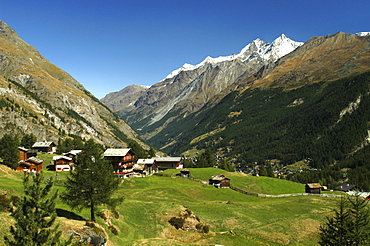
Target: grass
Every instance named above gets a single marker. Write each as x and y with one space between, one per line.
151 201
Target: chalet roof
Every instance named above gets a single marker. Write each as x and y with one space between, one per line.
74 152
42 144
314 186
35 159
116 152
55 158
32 160
168 159
218 177
23 149
145 161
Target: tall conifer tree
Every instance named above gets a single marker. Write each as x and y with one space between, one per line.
34 215
92 182
9 150
350 224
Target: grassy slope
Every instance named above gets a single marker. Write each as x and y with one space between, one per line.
150 202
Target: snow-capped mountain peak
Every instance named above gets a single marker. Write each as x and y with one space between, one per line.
361 34
280 47
256 49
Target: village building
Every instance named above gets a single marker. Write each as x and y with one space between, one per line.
164 163
313 188
73 153
122 160
220 181
32 164
145 166
185 173
44 147
26 153
63 163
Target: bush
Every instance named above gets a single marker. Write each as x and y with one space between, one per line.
4 203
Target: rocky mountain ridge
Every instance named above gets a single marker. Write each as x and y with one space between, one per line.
189 88
38 97
313 99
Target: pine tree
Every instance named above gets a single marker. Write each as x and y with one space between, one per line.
140 153
34 215
151 152
92 182
359 230
28 140
349 225
334 230
226 165
9 150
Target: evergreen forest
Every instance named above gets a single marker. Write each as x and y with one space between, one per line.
325 123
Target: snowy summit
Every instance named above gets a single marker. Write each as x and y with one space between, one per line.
257 49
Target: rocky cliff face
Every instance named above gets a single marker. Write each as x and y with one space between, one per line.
190 87
38 97
320 58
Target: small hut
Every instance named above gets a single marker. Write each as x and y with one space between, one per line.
220 181
185 173
313 188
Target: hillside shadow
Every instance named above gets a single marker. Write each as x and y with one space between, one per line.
69 215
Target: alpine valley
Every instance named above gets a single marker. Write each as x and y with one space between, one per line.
287 101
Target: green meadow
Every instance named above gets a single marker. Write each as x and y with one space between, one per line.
233 218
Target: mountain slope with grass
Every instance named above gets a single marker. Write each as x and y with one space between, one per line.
233 218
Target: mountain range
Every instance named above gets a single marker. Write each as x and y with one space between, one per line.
40 98
190 87
284 100
255 105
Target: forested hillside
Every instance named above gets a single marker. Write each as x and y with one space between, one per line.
323 122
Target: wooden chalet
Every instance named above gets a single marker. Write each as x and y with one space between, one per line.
26 153
220 181
44 147
313 188
145 166
122 160
32 164
164 163
63 163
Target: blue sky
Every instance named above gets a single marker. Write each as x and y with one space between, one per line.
109 44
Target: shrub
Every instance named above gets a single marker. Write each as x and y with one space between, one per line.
4 203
